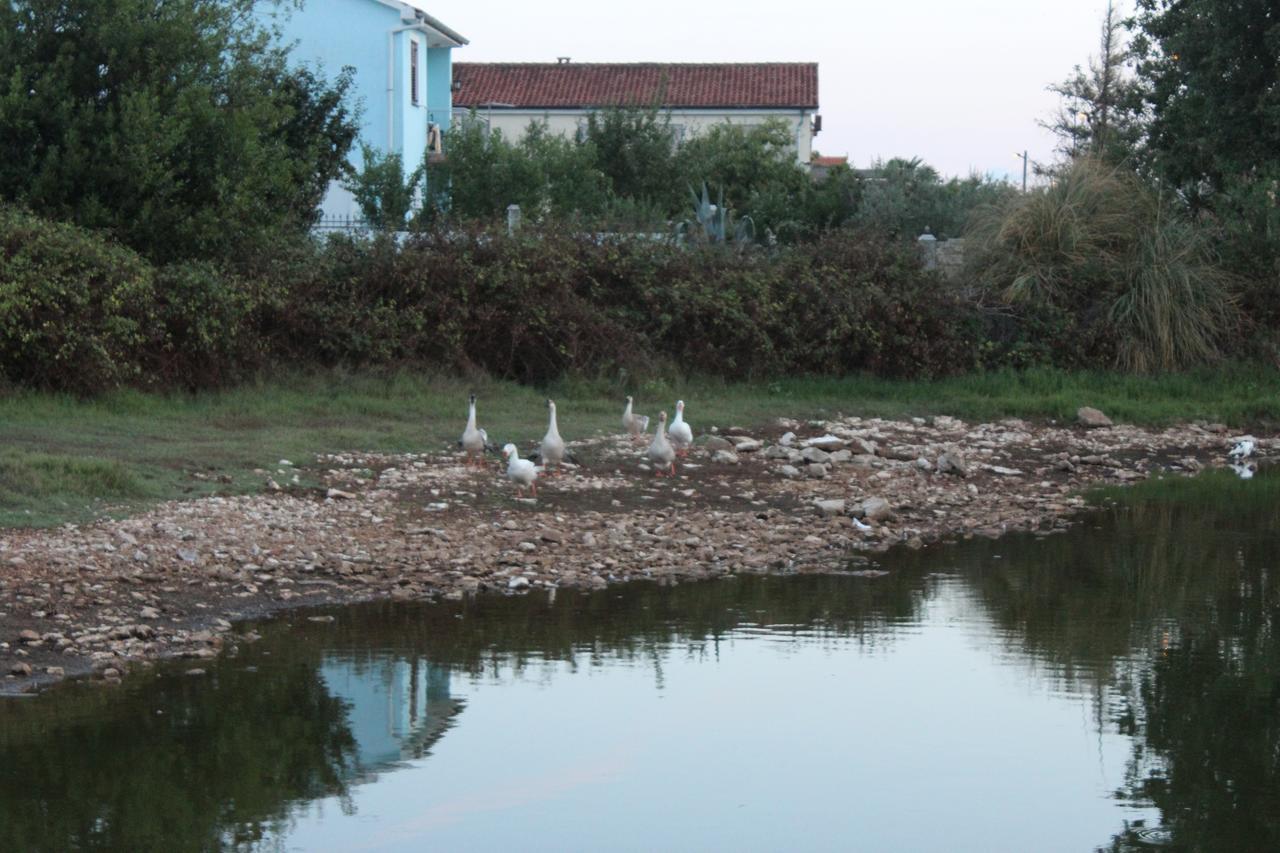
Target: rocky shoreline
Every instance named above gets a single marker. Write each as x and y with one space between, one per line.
816 496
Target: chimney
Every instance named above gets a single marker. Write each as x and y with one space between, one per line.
562 60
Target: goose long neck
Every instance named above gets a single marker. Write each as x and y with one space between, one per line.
626 413
554 427
471 415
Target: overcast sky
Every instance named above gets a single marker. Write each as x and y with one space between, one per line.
959 83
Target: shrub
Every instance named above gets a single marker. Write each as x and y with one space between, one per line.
1111 270
209 327
75 309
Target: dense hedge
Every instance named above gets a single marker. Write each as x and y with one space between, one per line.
80 313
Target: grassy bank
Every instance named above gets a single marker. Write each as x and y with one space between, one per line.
63 459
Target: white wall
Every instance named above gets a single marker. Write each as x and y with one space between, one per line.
513 123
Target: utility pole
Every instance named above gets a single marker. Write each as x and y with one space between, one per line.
1023 157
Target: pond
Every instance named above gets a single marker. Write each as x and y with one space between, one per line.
1115 687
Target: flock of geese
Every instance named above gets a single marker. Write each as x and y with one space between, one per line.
668 442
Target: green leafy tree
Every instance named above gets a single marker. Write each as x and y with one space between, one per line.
177 125
756 168
1213 68
634 148
386 194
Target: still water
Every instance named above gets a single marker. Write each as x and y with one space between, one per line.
1114 688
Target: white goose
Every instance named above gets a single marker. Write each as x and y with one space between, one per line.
660 452
680 433
552 450
474 441
1243 449
522 472
634 425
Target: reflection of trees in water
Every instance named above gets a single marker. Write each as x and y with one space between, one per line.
1168 613
99 769
231 754
639 621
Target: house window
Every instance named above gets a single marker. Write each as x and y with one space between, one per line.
413 71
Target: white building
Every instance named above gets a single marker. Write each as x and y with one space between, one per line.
510 95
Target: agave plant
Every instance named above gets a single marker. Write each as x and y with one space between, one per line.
715 220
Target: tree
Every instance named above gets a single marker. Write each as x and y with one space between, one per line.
1212 68
384 192
176 125
1101 113
634 148
755 166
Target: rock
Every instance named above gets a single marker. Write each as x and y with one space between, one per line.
876 509
861 445
148 613
28 636
1004 472
815 456
715 443
55 671
777 451
1091 418
817 471
272 485
824 442
791 472
589 539
946 422
20 669
111 673
830 507
339 495
195 673
788 438
549 535
951 462
725 457
840 456
187 555
518 583
747 445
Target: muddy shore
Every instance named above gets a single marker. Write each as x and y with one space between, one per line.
794 497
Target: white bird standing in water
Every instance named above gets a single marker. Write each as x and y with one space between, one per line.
680 433
474 441
634 425
522 472
660 452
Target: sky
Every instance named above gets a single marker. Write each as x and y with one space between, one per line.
958 83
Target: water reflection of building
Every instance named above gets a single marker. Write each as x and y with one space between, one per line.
396 709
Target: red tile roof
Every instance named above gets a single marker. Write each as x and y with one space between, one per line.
830 161
577 85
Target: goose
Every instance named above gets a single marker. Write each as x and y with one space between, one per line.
474 441
680 433
1243 449
552 450
522 472
634 425
660 452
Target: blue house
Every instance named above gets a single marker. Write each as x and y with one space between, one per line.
402 57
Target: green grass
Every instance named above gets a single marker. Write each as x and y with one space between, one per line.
65 459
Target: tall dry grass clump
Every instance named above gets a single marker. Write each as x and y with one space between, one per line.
1113 270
